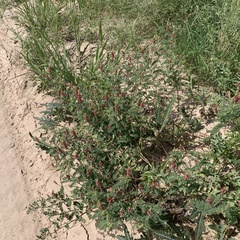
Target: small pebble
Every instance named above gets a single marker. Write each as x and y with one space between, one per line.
12 145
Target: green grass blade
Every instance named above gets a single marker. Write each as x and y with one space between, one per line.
166 115
200 226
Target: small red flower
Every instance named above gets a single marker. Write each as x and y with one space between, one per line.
60 150
154 40
89 209
129 210
110 200
121 212
98 185
154 184
186 176
122 94
236 99
68 176
128 172
79 98
74 134
173 165
223 191
64 144
141 105
149 213
209 200
106 97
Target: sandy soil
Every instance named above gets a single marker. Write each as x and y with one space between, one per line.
25 173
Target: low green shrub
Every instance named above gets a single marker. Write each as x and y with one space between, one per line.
125 124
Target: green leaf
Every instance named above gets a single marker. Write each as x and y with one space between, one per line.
121 237
78 205
165 236
165 118
200 227
127 234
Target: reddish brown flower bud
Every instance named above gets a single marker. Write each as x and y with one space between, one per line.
236 99
129 210
223 191
149 213
128 172
68 176
121 212
141 105
106 97
98 185
110 200
154 184
89 209
64 144
79 98
186 176
173 165
74 134
122 95
209 200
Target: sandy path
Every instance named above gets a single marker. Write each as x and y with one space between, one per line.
14 221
